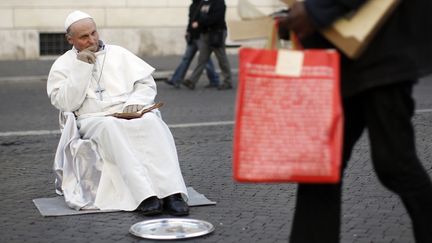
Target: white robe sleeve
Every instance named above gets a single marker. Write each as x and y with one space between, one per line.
67 86
144 92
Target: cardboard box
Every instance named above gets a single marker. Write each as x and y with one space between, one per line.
250 29
289 2
353 33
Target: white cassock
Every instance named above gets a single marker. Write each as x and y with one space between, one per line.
134 159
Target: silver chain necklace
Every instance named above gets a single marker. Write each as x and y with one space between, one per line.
99 89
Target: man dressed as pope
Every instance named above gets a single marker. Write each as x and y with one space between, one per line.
136 165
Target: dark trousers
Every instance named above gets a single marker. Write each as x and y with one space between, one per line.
386 113
205 50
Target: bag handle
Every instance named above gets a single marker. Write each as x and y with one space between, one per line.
273 39
273 36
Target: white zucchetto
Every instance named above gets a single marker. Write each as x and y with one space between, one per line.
74 17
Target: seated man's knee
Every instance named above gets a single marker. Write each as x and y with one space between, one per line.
107 127
151 117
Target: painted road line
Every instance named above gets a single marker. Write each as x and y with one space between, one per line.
55 132
184 125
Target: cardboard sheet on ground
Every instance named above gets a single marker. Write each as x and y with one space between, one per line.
56 206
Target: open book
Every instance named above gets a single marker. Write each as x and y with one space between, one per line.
138 114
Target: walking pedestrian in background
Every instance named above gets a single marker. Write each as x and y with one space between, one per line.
192 38
211 23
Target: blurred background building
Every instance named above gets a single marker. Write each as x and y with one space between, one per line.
33 29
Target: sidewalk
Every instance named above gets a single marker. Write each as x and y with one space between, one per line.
28 70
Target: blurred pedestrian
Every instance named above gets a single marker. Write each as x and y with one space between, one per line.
192 37
377 96
211 23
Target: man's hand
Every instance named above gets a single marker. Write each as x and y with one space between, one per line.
297 21
132 108
195 24
86 56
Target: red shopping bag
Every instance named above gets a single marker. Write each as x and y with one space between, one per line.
288 117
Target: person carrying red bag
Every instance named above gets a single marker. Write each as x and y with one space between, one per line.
377 96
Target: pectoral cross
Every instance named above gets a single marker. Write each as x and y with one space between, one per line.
99 91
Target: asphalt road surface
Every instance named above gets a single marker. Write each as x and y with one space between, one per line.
201 122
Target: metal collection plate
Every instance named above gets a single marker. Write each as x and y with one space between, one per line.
171 228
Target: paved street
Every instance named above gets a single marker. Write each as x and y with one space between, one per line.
243 213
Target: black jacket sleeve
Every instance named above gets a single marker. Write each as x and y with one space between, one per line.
325 12
191 10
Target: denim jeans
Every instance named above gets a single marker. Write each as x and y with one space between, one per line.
180 72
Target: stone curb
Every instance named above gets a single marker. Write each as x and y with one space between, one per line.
158 75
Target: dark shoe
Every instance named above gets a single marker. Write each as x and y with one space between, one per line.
169 82
175 205
210 86
151 206
225 86
189 84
